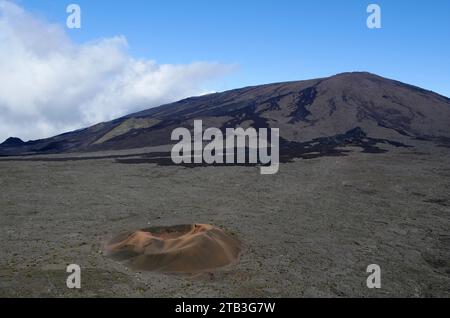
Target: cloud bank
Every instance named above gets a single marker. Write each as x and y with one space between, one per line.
50 85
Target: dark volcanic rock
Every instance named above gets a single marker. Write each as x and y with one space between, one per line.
12 142
350 108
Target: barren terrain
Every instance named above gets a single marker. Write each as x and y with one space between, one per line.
310 230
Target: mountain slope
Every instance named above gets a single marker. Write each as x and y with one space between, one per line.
379 108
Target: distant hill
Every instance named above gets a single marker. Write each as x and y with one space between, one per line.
12 142
354 108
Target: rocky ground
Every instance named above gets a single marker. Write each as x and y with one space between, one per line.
310 230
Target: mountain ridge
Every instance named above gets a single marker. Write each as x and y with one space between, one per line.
303 110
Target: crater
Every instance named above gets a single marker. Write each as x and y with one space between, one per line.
192 248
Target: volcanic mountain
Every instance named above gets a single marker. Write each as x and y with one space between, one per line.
360 109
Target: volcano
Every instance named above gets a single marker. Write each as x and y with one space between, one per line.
357 108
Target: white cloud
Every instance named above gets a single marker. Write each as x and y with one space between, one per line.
50 85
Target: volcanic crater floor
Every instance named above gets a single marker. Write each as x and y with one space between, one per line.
309 231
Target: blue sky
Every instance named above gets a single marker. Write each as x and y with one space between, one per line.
138 54
275 40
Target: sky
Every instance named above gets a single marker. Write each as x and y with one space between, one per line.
136 54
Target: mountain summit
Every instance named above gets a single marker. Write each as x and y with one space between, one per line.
336 107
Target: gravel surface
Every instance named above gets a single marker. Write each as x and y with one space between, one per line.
309 231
